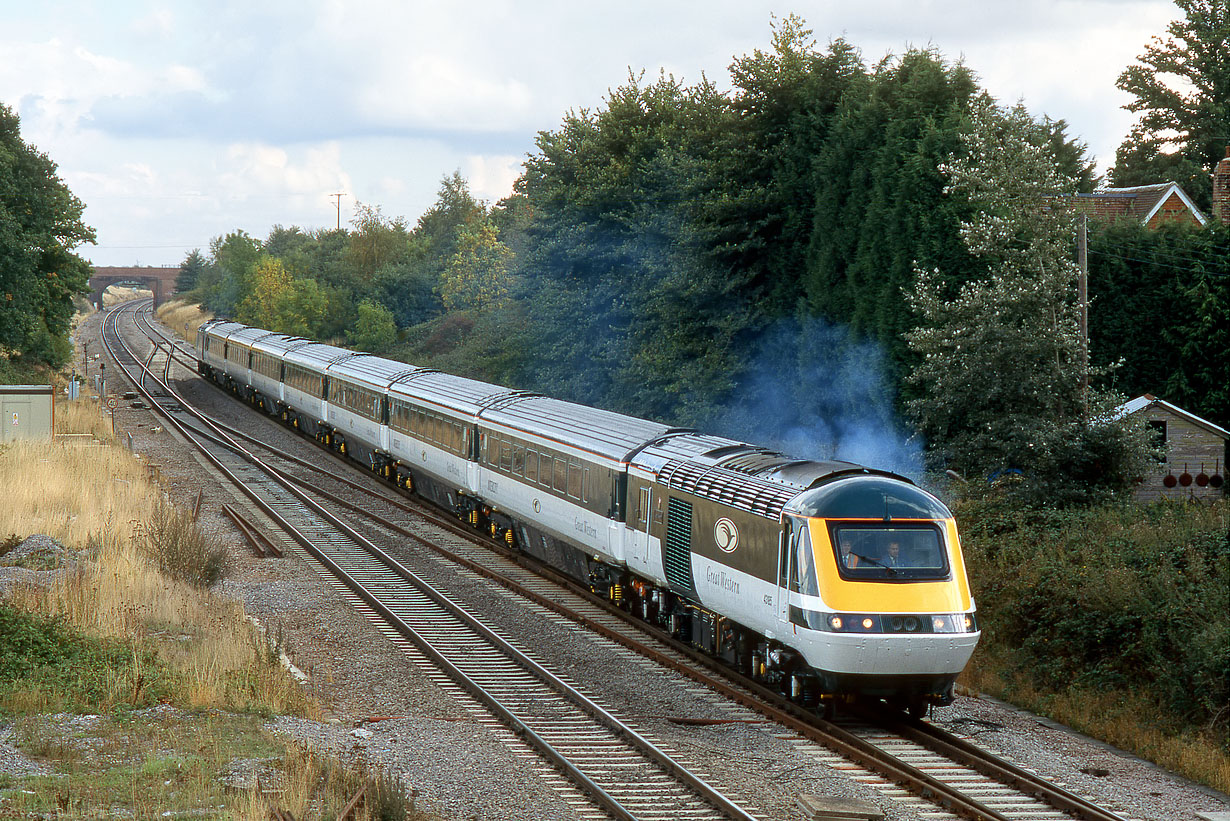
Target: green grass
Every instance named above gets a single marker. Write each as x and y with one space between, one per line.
47 665
146 762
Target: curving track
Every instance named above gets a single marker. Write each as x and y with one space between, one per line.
920 765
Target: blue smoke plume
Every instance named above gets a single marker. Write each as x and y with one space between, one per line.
814 393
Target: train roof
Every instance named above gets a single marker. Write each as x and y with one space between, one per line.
457 393
602 432
316 355
246 335
278 344
706 450
371 370
221 328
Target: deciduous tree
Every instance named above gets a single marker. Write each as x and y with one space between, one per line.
40 228
1001 370
374 330
476 277
1181 89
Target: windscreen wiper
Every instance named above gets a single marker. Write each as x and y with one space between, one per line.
892 570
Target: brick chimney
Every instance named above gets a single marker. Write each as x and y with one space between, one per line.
1221 189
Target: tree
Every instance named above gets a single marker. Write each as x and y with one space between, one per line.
233 260
270 284
190 271
302 309
40 227
374 330
376 240
476 277
440 225
1000 368
1185 125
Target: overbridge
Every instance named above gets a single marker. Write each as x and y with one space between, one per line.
159 280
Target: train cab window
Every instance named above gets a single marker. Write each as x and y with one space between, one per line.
879 552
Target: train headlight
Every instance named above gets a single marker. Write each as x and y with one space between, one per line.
968 621
938 623
835 622
868 624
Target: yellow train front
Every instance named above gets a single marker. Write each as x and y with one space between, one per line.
873 591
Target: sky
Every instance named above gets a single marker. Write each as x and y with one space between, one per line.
177 122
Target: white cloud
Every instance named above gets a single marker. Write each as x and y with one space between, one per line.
491 178
176 122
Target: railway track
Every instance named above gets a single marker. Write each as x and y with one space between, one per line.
622 772
913 762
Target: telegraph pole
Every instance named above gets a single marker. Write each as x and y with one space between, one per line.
1082 297
338 196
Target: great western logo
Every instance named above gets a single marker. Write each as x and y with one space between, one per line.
725 535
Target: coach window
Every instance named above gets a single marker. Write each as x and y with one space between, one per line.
574 478
561 474
544 470
505 455
518 459
531 465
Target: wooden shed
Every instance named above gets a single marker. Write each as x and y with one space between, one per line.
1195 463
26 412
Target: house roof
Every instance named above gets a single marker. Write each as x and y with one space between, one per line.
1148 400
1141 201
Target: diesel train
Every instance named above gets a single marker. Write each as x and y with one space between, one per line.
826 580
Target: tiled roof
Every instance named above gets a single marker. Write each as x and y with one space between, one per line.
1140 202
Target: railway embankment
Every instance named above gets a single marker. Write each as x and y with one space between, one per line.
1113 620
124 681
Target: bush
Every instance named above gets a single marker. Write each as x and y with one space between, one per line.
1119 597
171 538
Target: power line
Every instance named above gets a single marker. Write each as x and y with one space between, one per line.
1188 268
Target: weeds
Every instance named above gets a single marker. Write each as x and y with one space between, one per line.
170 537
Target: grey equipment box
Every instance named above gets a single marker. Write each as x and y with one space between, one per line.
26 412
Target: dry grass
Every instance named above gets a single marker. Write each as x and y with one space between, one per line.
1121 718
183 317
99 498
82 417
75 493
117 294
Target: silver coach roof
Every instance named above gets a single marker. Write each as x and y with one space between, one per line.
222 328
457 393
316 355
371 370
246 335
602 432
279 344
